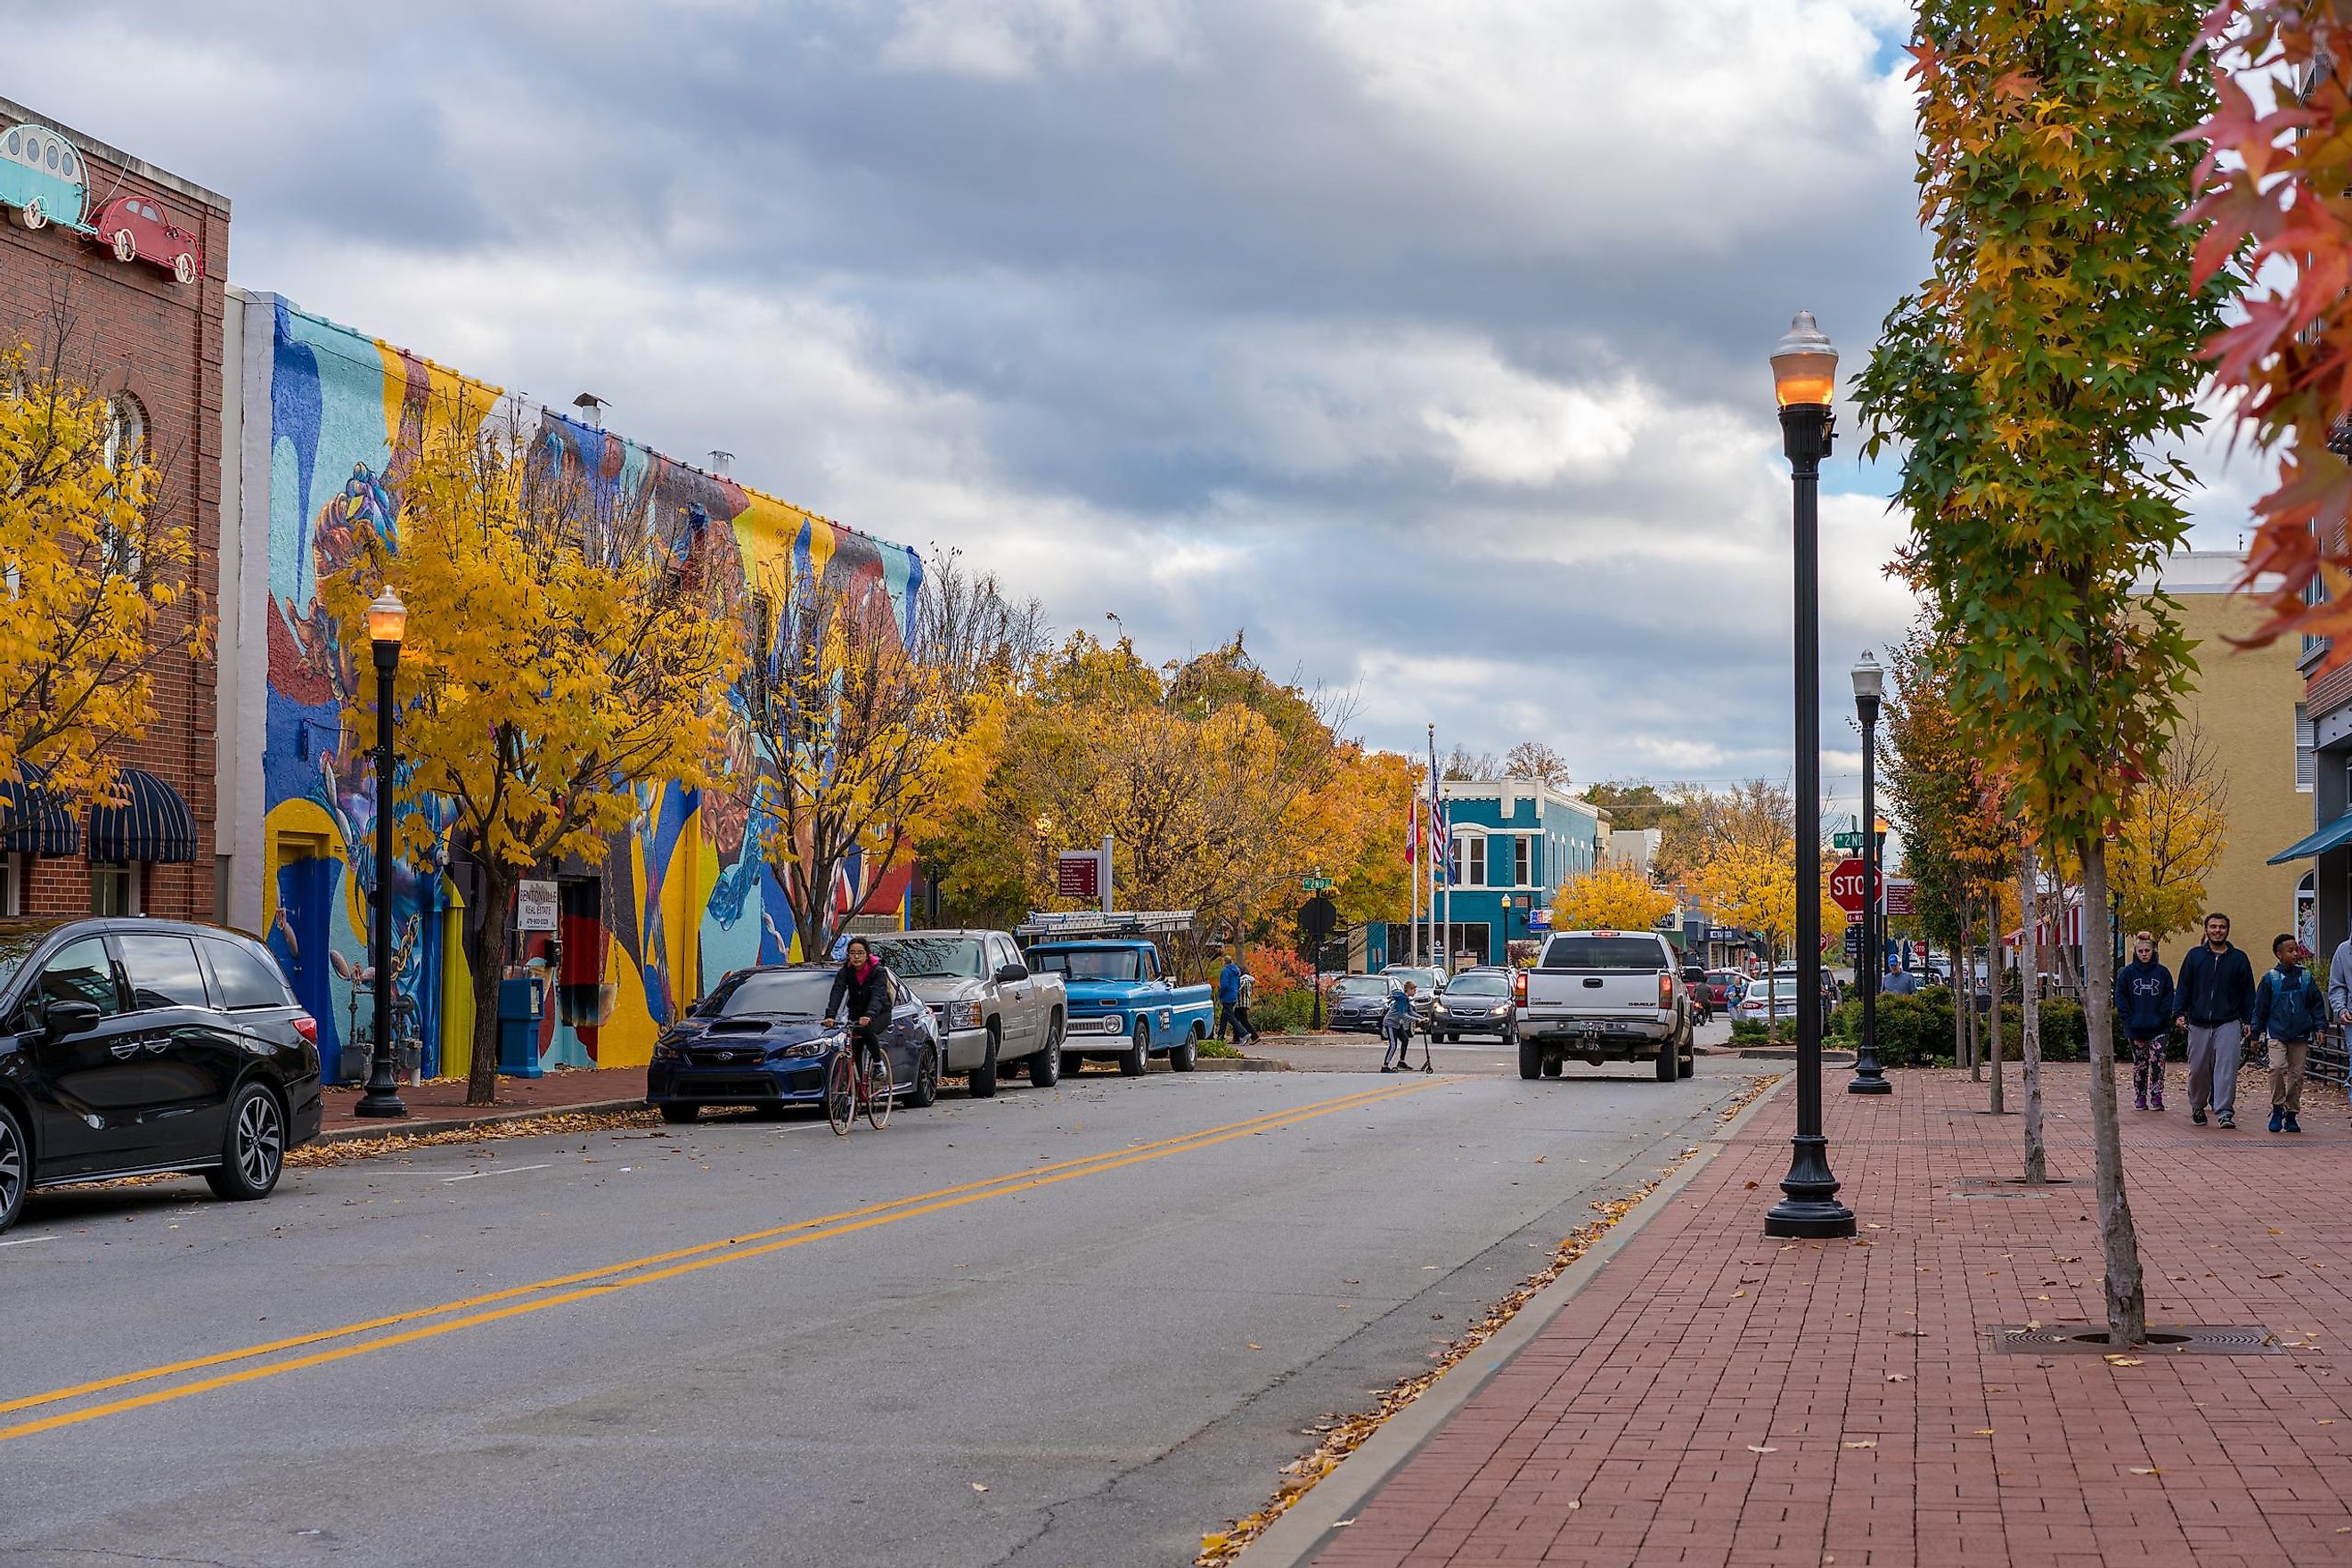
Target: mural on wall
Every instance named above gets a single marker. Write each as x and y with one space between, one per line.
685 894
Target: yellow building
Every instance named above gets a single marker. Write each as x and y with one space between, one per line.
2248 708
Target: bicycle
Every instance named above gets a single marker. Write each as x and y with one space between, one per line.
854 1082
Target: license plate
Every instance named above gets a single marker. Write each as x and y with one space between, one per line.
1591 1031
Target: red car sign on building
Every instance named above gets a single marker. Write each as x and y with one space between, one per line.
136 229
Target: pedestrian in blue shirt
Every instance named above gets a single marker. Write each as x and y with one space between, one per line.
2288 1011
1229 999
1396 1028
2216 998
2144 1001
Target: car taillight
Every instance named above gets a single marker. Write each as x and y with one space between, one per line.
1666 990
1519 988
308 1027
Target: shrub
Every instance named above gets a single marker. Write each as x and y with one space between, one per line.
1287 1013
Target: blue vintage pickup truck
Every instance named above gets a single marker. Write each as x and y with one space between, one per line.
1122 1005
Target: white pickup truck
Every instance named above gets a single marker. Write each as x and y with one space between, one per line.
1605 996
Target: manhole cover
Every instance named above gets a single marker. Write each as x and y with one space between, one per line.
2088 1339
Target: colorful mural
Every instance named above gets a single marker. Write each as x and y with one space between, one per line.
685 894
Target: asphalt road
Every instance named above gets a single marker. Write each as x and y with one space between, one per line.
1060 1328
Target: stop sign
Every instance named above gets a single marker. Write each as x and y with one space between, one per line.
1846 885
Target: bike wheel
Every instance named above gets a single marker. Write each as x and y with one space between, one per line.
841 1093
879 1092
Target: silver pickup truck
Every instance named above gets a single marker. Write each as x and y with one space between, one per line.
990 1008
1606 995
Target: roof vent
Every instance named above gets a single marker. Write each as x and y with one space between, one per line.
592 409
718 461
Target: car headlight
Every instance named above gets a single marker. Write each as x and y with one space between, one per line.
965 1014
670 1048
815 1048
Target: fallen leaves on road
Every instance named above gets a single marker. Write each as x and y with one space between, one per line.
978 1487
1348 1433
311 1155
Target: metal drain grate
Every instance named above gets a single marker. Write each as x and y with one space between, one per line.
2087 1339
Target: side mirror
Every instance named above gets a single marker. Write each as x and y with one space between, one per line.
1006 972
59 1019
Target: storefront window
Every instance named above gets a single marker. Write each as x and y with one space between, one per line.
113 888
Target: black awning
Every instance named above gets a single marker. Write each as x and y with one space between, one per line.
151 824
33 820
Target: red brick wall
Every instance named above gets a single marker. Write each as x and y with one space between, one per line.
132 328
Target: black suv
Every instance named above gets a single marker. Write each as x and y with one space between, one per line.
134 1046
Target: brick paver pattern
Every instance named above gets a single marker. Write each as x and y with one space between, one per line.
442 1101
1718 1398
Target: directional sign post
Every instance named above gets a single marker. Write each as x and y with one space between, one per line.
1849 886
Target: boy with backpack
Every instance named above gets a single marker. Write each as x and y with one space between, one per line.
2288 1010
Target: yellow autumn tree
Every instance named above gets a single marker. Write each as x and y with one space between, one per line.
566 648
1611 897
1754 886
2173 832
99 585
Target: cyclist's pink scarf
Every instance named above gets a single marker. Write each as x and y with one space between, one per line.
864 974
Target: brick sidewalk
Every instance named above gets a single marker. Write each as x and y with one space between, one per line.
1629 1430
442 1101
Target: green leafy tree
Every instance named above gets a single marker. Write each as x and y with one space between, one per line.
2036 382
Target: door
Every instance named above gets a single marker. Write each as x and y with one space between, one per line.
90 1087
194 1057
904 1038
308 884
579 971
1016 1000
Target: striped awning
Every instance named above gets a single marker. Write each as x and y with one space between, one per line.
33 821
151 824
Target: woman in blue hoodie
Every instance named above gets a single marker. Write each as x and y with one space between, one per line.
2144 1000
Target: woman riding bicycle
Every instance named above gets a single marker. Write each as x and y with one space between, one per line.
864 986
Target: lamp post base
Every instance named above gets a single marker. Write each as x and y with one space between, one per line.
1870 1079
380 1102
1810 1211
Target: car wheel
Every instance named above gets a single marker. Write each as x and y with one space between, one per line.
926 1087
1137 1056
1689 1066
982 1081
1182 1058
1045 1067
16 1167
184 268
1670 1055
679 1115
31 215
1531 1062
126 245
253 1152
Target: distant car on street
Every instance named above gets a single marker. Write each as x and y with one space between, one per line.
1429 984
1723 988
1117 989
1476 1002
138 1046
1358 1002
988 1007
1606 995
759 1039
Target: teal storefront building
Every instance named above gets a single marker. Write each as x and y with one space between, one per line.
1514 842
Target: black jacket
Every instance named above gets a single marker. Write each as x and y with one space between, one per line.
2216 991
871 1000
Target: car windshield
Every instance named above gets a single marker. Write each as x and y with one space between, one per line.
1090 963
794 993
16 944
1363 985
1604 952
1479 986
1424 978
933 957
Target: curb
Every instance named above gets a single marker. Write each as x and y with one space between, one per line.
408 1126
1307 1526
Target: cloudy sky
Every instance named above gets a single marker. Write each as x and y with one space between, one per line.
1422 340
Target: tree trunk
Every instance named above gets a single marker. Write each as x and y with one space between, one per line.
1964 992
486 953
2127 1297
2029 947
1992 1012
1959 995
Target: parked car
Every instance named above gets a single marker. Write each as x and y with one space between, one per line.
1606 995
759 1039
1358 1002
987 1007
139 1045
1769 996
1476 1002
1429 984
136 229
1117 989
1723 988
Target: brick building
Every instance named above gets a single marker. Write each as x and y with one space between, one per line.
115 267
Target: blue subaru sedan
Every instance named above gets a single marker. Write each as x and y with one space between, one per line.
759 1039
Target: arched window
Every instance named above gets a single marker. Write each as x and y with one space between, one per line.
126 429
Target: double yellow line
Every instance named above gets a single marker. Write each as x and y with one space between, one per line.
427 1322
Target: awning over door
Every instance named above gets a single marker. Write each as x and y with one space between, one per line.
151 824
2335 833
33 821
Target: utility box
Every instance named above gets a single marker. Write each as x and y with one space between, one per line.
519 1014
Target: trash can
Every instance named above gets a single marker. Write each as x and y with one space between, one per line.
518 1027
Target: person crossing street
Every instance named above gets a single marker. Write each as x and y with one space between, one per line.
1396 1029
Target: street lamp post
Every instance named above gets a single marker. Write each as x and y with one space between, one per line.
1804 379
1869 685
387 623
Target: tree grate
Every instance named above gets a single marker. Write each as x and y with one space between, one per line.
2088 1339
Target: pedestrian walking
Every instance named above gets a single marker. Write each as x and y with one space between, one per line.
2288 1012
1241 1005
1897 981
2144 1001
1229 996
2216 998
1396 1028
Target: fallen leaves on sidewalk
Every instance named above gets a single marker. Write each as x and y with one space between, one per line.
316 1154
1861 1443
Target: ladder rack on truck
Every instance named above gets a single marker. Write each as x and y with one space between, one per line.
1083 925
